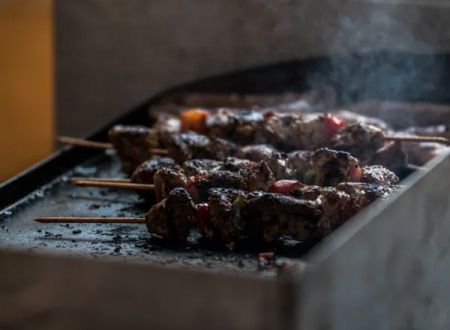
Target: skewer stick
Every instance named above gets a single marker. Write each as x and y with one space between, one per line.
88 220
414 138
84 143
99 179
105 184
76 142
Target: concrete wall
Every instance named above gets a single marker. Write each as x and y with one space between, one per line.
113 54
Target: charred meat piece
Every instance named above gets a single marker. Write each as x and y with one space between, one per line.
191 145
195 167
254 177
276 160
271 216
366 193
239 126
166 179
330 167
223 222
378 175
360 140
133 144
295 131
145 172
173 217
298 163
234 215
234 164
187 145
336 208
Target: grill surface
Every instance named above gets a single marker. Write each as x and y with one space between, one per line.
41 190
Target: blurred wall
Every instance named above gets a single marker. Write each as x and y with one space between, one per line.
113 54
26 98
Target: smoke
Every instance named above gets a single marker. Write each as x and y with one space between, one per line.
381 50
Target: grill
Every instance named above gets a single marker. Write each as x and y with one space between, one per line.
393 252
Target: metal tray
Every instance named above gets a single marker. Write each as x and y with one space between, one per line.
137 291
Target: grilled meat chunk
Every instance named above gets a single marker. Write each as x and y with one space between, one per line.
378 175
298 163
271 216
145 172
166 179
360 140
191 145
223 222
239 126
133 144
336 208
173 217
294 131
196 167
276 160
258 176
366 193
330 167
188 145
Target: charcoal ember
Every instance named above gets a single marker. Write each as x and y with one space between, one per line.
173 217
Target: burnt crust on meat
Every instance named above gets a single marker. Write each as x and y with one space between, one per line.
173 217
361 140
166 179
133 144
201 166
379 175
145 172
330 167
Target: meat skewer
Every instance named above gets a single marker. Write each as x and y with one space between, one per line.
327 168
137 144
305 212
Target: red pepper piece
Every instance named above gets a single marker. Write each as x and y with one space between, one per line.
332 124
284 187
194 120
355 174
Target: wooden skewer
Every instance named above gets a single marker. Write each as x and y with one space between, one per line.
67 140
84 143
413 138
100 179
106 184
89 220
